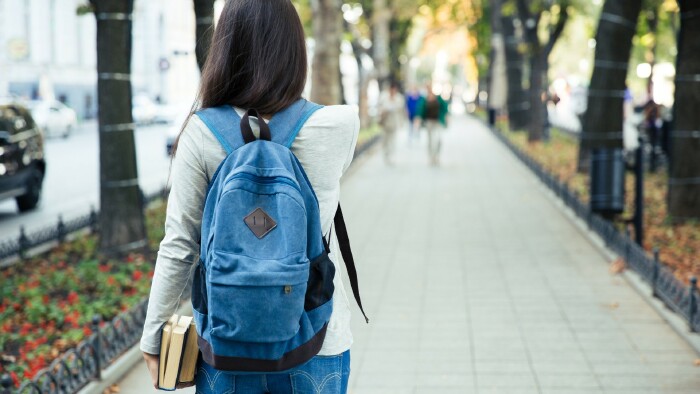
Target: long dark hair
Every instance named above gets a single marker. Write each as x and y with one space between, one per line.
257 58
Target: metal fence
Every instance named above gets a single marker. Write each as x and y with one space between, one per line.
680 298
57 233
79 366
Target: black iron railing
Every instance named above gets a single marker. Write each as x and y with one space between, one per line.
680 298
77 367
23 243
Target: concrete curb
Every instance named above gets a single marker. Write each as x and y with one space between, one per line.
642 288
115 372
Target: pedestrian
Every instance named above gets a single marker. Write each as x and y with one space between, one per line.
433 110
392 112
254 76
412 101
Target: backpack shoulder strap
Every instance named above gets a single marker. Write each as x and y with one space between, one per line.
344 244
286 124
225 124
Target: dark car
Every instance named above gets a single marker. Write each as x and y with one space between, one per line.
22 165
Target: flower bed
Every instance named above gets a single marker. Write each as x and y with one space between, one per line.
47 302
679 244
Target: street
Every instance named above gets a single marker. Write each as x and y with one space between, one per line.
71 184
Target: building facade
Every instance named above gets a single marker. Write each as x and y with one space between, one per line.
48 50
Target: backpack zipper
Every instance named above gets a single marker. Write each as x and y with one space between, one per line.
264 180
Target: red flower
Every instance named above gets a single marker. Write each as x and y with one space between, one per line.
15 379
137 275
46 298
111 281
73 297
151 273
130 258
87 331
104 268
2 308
26 327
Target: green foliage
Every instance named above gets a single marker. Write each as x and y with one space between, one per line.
304 9
84 9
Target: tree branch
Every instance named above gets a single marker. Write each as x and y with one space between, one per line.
561 23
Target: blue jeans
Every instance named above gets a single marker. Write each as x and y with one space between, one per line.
321 375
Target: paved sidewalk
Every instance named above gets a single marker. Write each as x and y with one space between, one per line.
476 283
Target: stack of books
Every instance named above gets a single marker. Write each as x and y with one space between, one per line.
178 352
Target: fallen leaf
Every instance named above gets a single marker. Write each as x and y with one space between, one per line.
113 389
617 266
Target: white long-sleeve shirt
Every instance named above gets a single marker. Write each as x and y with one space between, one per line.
324 147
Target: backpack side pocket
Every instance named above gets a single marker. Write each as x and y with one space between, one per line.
320 287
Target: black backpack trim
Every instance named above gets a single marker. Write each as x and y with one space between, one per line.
292 359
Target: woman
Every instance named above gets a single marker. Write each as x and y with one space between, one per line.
257 60
392 112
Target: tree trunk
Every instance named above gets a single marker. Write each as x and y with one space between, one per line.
204 15
684 177
381 17
362 78
517 102
536 124
400 29
603 121
530 23
122 226
495 77
327 29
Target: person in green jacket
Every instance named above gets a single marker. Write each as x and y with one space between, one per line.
433 110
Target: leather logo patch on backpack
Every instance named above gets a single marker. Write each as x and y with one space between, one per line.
260 223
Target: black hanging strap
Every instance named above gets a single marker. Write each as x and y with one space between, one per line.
346 252
247 131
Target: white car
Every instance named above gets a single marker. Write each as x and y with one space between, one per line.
53 117
144 110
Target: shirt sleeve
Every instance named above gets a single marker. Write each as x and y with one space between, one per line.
355 134
179 250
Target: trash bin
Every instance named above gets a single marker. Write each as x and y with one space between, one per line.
607 181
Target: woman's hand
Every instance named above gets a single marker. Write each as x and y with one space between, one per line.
152 361
152 365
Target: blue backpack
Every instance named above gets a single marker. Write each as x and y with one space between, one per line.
262 293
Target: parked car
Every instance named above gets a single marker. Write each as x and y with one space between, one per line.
174 131
22 163
53 117
143 109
